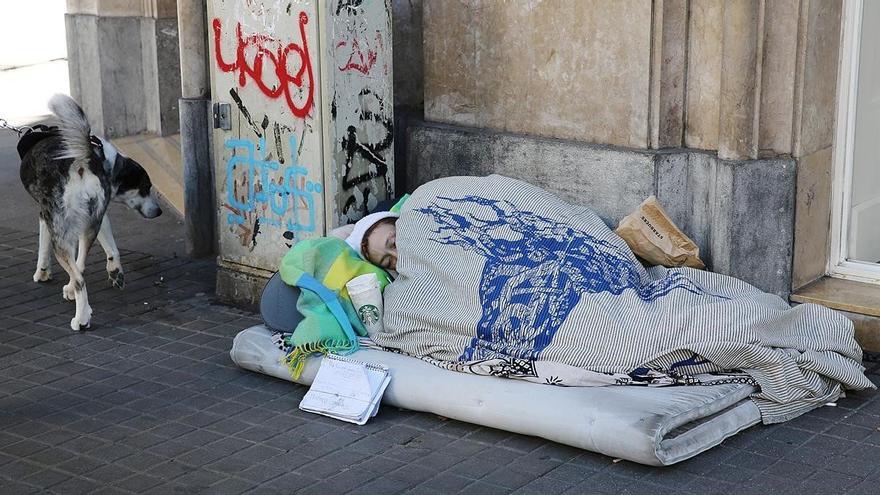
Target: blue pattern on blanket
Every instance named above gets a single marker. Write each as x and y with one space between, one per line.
536 271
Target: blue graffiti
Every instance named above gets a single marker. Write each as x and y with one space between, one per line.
282 194
536 271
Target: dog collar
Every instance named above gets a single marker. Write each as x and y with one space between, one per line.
96 142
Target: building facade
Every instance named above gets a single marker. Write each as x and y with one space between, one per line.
727 110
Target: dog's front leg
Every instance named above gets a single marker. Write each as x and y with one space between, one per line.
44 265
83 316
114 264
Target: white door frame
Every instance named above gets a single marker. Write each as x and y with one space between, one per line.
847 91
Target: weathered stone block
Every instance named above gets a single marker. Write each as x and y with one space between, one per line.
740 213
239 289
611 181
571 69
125 72
813 226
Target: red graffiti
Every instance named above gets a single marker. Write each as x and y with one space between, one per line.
276 53
356 59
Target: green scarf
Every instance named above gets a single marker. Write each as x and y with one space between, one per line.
320 268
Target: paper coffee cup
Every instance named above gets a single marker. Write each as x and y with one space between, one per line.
366 297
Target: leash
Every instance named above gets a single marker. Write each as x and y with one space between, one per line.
16 129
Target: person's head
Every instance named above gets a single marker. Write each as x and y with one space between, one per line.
379 245
374 237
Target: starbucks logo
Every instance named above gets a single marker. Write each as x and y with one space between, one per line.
368 314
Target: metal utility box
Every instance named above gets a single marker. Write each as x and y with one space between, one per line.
303 126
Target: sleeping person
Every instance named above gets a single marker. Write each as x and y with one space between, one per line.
374 237
494 276
499 277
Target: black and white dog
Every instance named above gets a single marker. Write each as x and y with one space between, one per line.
74 176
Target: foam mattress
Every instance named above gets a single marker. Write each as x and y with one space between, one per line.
653 426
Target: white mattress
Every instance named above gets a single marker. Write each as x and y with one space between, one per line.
654 426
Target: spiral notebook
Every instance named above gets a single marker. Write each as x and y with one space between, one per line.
346 389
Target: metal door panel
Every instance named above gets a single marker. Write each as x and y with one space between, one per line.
360 124
264 62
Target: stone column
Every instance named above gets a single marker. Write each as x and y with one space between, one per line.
668 73
124 65
195 127
741 59
191 17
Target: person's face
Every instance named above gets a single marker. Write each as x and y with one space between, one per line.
382 246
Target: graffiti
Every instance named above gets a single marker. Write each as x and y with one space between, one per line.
364 161
362 122
260 192
244 111
263 13
278 152
350 6
260 55
357 60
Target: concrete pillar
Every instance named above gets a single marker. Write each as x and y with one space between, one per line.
742 39
191 17
409 80
123 63
198 179
668 74
195 129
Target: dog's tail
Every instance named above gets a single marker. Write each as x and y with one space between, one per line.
75 128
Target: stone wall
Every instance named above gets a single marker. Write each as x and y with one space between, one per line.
739 212
745 80
572 69
124 64
409 78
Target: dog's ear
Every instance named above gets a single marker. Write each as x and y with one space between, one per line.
130 175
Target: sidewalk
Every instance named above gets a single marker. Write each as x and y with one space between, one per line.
148 401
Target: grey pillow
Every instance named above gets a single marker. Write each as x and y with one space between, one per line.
278 305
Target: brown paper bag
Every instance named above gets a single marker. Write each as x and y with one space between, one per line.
652 236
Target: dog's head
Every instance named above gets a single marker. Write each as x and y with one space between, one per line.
130 183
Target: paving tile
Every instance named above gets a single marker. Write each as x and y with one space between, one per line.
110 473
24 448
706 486
201 456
262 473
80 465
46 478
545 486
508 477
824 481
139 483
853 466
148 402
170 470
603 483
76 486
232 486
791 470
171 448
764 483
412 474
198 480
488 489
51 456
259 453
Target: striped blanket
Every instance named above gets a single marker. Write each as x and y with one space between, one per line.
501 278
